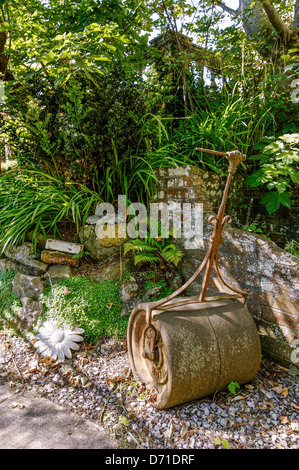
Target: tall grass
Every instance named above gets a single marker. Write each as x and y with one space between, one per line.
31 199
228 124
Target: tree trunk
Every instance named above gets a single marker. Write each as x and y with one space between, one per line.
261 21
4 74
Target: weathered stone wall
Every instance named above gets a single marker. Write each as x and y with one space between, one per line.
244 205
247 261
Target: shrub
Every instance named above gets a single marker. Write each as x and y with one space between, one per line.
278 171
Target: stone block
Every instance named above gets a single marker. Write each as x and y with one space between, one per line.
65 247
278 350
58 272
286 304
248 279
281 318
56 257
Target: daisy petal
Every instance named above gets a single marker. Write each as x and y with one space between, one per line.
78 330
66 350
60 352
72 345
75 337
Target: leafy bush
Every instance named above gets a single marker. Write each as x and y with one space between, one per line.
88 130
278 169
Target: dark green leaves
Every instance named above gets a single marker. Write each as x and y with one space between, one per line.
279 168
273 200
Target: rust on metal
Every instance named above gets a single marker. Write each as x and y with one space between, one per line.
211 258
188 328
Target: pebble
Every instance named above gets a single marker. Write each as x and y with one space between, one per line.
254 421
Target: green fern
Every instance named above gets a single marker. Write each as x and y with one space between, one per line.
138 245
172 254
145 258
152 251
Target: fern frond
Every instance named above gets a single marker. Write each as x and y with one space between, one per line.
172 254
137 245
145 258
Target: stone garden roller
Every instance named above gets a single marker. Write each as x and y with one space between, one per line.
190 347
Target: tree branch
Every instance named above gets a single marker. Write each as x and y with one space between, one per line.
229 10
276 21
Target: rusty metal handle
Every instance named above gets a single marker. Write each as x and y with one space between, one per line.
211 258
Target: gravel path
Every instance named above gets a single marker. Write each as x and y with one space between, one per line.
98 385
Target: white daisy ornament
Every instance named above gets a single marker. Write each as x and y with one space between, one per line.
57 342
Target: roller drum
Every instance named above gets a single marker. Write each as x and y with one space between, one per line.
199 349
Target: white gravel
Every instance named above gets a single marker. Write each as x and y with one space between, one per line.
97 384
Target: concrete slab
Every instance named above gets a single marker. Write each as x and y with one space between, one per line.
31 422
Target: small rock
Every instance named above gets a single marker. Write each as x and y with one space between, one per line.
31 310
129 290
223 422
7 264
66 369
154 292
28 286
93 219
58 272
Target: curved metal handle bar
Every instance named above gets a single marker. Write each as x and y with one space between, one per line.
210 260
